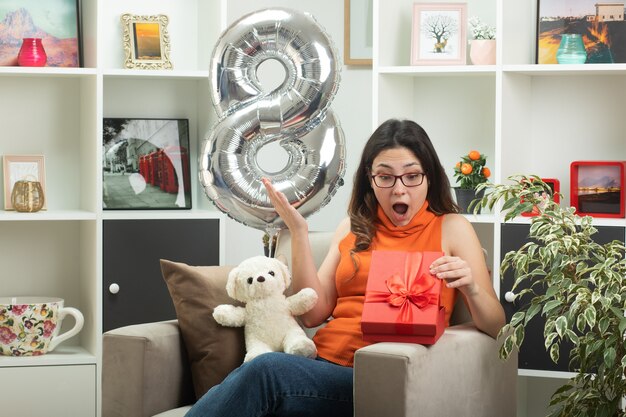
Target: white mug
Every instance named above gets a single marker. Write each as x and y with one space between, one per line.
29 326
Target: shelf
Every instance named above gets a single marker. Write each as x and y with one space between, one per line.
480 218
47 72
597 221
155 74
440 70
161 214
531 69
565 70
46 215
545 374
63 355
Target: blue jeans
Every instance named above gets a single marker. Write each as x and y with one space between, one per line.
278 384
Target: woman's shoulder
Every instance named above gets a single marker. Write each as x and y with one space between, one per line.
342 229
453 222
457 232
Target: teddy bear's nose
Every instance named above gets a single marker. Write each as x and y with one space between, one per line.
261 279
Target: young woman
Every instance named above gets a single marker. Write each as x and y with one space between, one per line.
401 201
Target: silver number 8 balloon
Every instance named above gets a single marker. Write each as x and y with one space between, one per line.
296 114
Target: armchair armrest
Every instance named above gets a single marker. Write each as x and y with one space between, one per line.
144 370
400 379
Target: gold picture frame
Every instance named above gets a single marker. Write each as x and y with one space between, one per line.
21 167
357 32
146 41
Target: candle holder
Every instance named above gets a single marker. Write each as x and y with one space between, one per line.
27 196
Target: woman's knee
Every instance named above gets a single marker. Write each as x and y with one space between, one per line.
270 366
266 361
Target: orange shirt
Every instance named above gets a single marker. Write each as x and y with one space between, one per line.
341 337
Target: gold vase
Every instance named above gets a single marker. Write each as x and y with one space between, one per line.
27 196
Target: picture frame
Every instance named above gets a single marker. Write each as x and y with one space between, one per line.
57 22
555 186
602 26
22 167
358 32
597 188
145 164
146 41
439 34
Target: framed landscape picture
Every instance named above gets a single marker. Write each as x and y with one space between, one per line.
145 164
56 22
601 25
439 34
597 188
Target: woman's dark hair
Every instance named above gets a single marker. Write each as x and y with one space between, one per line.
395 134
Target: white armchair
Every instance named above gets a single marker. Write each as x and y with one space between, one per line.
145 371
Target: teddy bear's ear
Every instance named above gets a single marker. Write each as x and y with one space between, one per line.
231 284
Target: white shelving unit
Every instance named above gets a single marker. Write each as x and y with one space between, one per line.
58 112
526 118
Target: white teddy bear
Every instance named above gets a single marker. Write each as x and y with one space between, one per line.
268 316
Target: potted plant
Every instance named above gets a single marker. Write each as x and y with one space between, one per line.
469 172
483 43
578 286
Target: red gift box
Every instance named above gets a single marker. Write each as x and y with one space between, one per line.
402 299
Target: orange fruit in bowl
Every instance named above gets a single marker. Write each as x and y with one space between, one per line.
474 155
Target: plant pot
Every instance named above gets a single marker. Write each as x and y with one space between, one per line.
465 196
483 51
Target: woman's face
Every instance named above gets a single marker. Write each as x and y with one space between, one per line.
400 203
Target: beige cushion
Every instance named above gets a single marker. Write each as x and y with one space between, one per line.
213 351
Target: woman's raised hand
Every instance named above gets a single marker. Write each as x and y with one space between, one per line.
292 218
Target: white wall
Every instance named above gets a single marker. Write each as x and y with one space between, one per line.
353 105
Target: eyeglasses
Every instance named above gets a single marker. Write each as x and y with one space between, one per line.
388 181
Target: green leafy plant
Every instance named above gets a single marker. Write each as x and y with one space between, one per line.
471 170
480 30
578 286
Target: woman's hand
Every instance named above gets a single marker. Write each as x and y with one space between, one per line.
456 272
292 218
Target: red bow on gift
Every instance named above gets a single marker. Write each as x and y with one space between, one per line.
412 288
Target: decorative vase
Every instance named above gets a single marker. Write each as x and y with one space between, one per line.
483 51
571 49
27 196
32 53
465 196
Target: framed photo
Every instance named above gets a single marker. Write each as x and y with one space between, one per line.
601 24
57 22
597 188
439 34
22 167
357 32
145 164
146 41
555 189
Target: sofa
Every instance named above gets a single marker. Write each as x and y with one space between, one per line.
146 369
